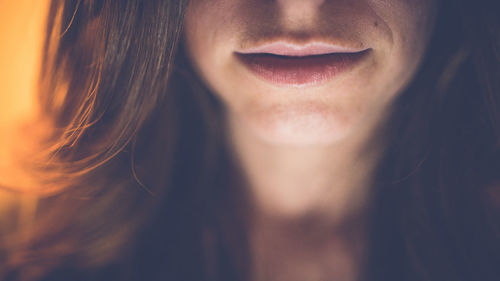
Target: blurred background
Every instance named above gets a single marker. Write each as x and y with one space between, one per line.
22 27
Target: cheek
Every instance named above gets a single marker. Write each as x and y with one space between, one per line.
210 26
209 34
411 23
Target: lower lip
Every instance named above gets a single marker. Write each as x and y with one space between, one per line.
300 71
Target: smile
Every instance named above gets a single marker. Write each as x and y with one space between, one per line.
286 65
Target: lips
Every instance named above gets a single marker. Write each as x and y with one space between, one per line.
294 65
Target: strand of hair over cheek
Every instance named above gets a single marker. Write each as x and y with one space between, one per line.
116 49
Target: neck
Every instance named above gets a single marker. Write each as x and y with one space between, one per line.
309 204
328 184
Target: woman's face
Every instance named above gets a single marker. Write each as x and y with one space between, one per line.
305 72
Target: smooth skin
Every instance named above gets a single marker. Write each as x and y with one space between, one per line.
308 152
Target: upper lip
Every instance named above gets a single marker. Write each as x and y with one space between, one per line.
284 48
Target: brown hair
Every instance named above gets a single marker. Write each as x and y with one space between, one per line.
137 154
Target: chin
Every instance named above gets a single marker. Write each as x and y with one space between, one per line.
300 126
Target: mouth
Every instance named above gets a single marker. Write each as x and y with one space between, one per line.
298 66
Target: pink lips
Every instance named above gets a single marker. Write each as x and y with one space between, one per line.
285 64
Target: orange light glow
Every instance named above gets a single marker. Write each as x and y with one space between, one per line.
22 29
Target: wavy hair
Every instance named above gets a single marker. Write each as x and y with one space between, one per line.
136 182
